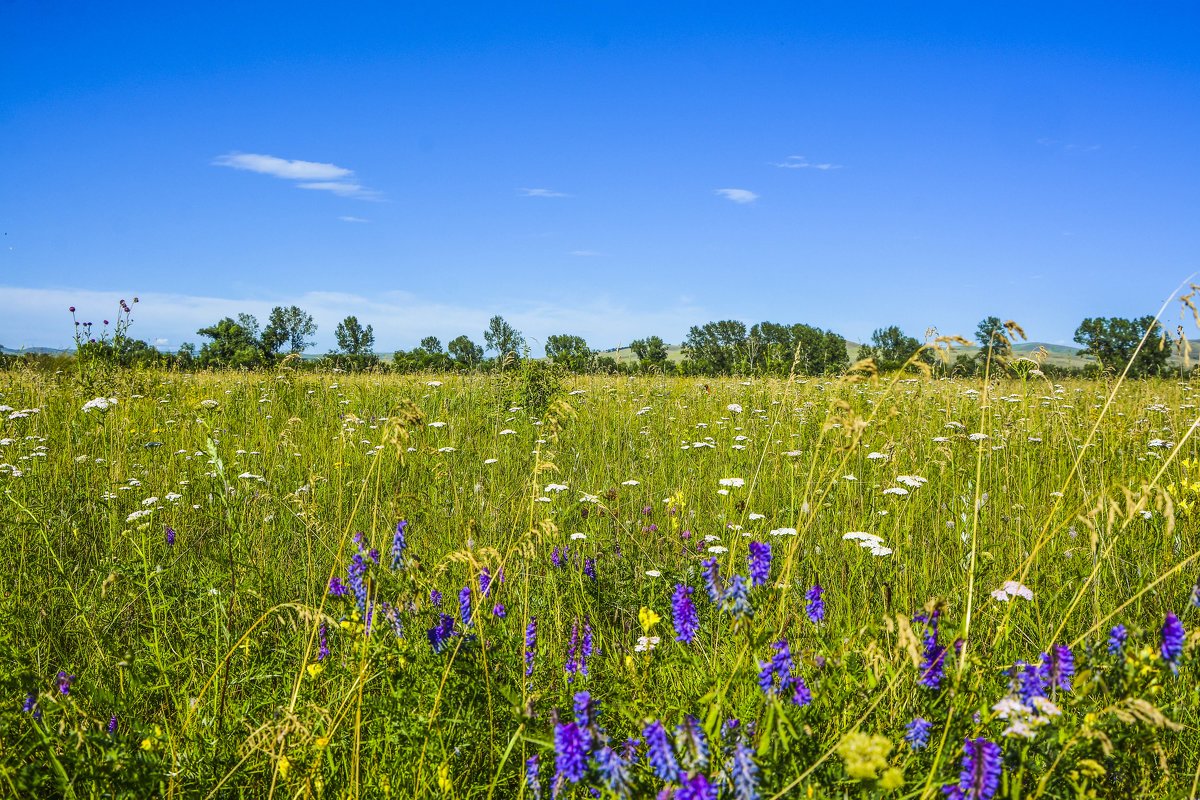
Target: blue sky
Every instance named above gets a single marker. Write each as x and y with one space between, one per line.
611 170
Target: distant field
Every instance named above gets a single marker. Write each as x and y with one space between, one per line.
825 589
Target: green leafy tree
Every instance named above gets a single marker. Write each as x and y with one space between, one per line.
1113 340
466 354
289 329
353 339
772 348
569 352
651 353
890 347
233 344
992 333
504 339
431 344
715 348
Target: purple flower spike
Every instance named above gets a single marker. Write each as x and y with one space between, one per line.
760 563
1172 641
815 609
979 779
684 616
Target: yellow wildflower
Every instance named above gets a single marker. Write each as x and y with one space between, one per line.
648 619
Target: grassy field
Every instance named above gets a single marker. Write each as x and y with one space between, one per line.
559 615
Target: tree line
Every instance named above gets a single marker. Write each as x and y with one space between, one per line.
724 347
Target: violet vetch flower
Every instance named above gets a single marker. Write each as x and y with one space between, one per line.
30 703
712 579
815 609
532 768
111 728
589 568
1172 641
1059 667
744 773
916 733
696 787
464 606
322 644
683 614
356 572
1029 681
614 771
570 752
659 752
64 682
585 717
691 744
979 778
736 599
530 645
801 695
933 658
336 588
435 597
499 611
398 545
572 665
586 645
440 633
760 563
485 581
558 556
170 536
1116 640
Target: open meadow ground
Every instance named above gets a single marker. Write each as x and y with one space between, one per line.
304 585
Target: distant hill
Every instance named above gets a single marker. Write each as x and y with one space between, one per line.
8 351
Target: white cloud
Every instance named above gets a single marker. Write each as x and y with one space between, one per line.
738 195
282 167
160 342
39 317
541 193
314 174
348 218
800 162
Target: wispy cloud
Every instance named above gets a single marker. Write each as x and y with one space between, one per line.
541 193
800 162
347 218
742 196
312 174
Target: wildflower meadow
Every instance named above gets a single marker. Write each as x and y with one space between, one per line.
320 585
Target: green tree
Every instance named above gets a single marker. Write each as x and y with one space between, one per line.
504 339
715 348
992 333
570 352
890 347
651 352
288 328
234 344
353 339
431 344
1113 340
466 354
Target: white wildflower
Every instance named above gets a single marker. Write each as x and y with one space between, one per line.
578 535
653 573
556 487
99 404
734 407
898 490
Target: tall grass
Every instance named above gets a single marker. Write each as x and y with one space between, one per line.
206 650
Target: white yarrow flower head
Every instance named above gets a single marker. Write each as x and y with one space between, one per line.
437 424
782 532
1012 589
653 573
978 437
898 490
99 404
754 516
874 456
736 483
912 481
630 482
433 384
646 643
734 407
578 535
210 403
556 487
718 549
490 460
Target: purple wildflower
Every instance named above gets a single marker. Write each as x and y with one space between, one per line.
464 606
499 611
322 644
589 568
485 581
801 695
373 555
532 767
570 752
712 579
1172 641
614 771
530 645
398 545
651 528
691 744
696 787
585 650
736 599
356 572
170 536
683 613
336 588
440 633
111 728
30 703
558 556
659 752
647 511
1030 682
435 597
916 733
1060 667
572 665
934 655
979 778
1116 640
815 609
64 682
760 563
744 773
585 716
